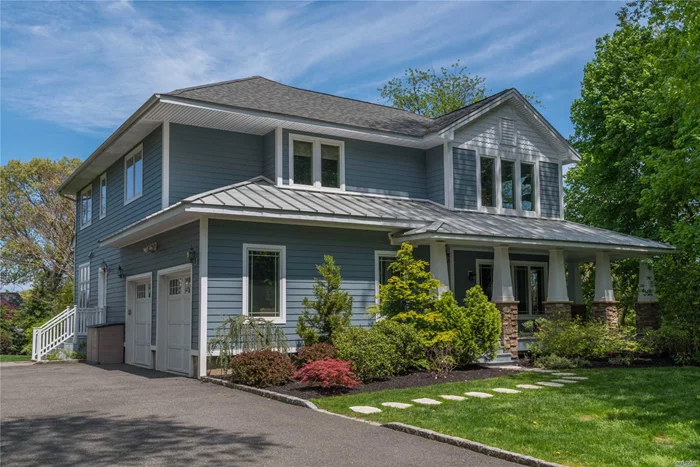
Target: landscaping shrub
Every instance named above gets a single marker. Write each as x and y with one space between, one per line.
5 342
261 368
372 353
679 342
332 308
555 362
315 352
441 360
410 350
329 373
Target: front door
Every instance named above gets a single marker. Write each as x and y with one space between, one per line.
141 319
179 321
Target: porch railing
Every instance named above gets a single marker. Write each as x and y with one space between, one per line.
71 323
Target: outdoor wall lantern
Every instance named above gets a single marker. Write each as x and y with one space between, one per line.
121 272
192 255
471 275
105 267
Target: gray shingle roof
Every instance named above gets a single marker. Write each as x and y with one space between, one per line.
262 94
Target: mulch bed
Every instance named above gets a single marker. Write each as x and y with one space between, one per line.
410 380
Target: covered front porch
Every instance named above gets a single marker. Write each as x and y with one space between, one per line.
528 281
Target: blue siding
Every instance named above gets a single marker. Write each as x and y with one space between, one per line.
353 251
435 174
202 159
269 156
376 168
549 190
464 167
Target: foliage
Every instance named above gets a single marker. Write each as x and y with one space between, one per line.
243 334
637 127
6 342
555 362
261 368
410 350
679 342
328 373
37 226
372 353
441 360
315 352
63 354
332 307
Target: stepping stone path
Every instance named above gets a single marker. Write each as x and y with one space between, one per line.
453 398
480 395
397 405
569 381
528 386
563 374
579 378
505 390
550 384
365 409
427 401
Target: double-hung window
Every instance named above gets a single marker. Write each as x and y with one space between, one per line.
84 285
507 184
316 162
133 175
527 186
86 207
103 196
488 183
264 282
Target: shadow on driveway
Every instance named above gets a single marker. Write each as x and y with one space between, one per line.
97 440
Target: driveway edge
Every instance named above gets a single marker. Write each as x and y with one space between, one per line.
471 445
261 392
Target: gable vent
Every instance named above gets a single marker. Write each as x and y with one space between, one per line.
508 131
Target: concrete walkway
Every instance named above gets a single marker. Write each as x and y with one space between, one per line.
76 414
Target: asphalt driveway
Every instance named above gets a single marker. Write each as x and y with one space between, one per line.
77 414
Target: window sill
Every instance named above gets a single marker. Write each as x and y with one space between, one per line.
129 201
85 226
322 189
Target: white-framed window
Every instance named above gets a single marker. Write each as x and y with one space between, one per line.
507 185
529 284
103 195
316 162
133 175
265 282
84 285
488 181
86 207
527 186
382 273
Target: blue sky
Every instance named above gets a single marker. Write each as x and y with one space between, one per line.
73 71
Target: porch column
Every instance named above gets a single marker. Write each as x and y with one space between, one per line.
504 300
647 306
604 306
578 308
438 266
557 304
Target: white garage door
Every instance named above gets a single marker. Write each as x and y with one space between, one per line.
179 320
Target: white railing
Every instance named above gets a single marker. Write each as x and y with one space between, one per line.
69 324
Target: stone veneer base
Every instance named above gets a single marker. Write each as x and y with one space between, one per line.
606 312
648 316
556 309
509 326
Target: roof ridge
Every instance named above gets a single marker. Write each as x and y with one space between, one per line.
250 181
218 83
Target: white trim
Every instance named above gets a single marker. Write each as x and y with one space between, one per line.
203 293
279 156
161 324
103 199
138 277
561 192
102 277
448 167
379 254
282 249
165 179
316 160
130 155
185 267
82 206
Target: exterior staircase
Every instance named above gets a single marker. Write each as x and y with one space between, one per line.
65 330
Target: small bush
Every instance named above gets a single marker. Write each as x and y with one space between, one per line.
5 342
677 341
555 362
315 352
441 360
261 368
329 373
373 354
410 349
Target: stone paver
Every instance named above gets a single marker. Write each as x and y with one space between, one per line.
578 378
527 386
550 384
366 409
505 390
566 381
480 395
452 398
426 401
396 405
563 374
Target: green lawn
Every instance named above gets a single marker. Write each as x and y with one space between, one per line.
618 417
14 358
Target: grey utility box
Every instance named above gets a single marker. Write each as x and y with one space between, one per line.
105 343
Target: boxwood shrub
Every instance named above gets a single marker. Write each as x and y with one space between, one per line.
261 368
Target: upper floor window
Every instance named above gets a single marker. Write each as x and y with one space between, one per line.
507 185
507 188
264 282
133 175
84 285
316 162
103 195
86 207
527 186
488 175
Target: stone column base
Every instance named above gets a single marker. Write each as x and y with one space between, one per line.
648 316
509 326
557 309
606 312
578 310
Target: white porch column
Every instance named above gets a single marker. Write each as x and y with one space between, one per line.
574 283
603 278
438 266
647 290
502 282
556 284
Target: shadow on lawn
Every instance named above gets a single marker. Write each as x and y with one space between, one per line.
97 440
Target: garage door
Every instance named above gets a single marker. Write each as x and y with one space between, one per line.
179 319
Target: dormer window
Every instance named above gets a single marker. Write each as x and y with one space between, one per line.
316 162
133 175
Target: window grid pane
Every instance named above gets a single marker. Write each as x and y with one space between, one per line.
264 284
384 272
175 286
330 166
129 178
507 168
84 287
487 176
527 186
303 162
103 196
138 174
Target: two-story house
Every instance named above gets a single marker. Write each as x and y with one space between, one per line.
221 199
